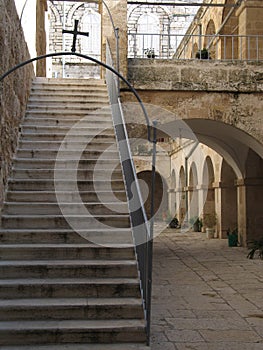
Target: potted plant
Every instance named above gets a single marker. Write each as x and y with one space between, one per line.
203 54
209 221
232 238
150 53
196 223
256 246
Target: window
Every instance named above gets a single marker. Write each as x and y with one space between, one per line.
91 45
148 25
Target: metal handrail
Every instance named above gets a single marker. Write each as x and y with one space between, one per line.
180 46
142 228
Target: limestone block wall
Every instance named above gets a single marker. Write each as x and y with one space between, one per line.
14 90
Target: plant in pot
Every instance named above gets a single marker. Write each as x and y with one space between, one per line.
196 223
150 53
203 54
209 221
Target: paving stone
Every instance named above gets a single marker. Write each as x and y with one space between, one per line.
213 295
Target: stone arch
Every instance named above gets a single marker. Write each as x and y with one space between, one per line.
209 38
161 202
160 44
55 13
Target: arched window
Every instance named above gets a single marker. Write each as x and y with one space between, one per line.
91 24
148 30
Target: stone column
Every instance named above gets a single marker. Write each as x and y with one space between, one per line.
172 207
226 208
41 37
118 10
250 213
250 15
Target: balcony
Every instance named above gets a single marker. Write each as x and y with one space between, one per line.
189 46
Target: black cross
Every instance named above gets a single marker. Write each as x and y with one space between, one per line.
75 32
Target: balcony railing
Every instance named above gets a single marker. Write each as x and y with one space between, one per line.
192 46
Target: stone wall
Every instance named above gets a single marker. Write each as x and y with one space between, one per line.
14 89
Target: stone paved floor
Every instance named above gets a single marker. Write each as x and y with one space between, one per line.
206 296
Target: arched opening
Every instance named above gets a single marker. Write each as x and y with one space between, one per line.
208 180
229 32
91 23
209 43
148 28
182 196
194 50
172 195
160 195
193 206
228 200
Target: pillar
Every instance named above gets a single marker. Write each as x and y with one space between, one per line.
41 37
118 10
250 15
250 212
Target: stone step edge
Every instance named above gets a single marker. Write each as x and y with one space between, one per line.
78 346
92 301
70 325
69 263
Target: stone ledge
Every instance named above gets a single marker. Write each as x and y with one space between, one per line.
196 75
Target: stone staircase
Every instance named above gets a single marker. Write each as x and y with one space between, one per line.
69 277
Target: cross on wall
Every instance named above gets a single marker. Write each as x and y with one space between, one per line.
75 33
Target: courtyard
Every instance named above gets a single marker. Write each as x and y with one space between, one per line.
206 295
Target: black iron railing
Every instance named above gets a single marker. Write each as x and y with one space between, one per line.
141 226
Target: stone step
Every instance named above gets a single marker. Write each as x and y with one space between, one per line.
62 185
102 121
73 308
59 221
77 346
73 95
67 153
91 113
110 237
43 82
73 92
102 145
70 288
69 108
71 103
60 163
62 251
67 331
66 196
65 174
96 268
76 130
70 208
87 138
